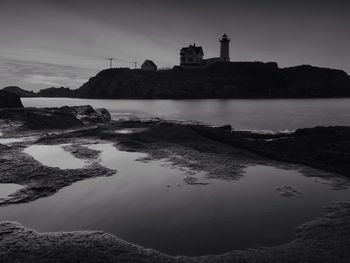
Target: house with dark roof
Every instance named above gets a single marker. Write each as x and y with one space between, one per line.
149 65
191 55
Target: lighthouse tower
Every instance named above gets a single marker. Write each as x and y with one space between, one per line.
225 48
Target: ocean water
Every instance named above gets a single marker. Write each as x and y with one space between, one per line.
243 114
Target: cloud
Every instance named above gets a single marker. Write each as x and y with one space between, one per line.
51 42
36 76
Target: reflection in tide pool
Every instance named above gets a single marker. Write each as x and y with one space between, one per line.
137 206
55 156
7 189
14 140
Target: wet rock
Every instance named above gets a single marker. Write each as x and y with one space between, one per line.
88 114
57 118
193 181
39 180
82 152
326 148
289 191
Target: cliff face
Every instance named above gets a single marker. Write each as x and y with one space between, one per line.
221 80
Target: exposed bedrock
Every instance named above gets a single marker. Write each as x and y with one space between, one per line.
39 180
56 118
326 148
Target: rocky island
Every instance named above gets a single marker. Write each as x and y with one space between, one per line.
219 80
221 152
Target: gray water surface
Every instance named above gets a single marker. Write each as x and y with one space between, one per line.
7 189
243 114
55 156
148 203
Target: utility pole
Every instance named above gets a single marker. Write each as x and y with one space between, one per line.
110 62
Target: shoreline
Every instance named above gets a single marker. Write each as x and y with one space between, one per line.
163 140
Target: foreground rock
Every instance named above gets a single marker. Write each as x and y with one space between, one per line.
9 100
326 148
39 180
324 240
56 118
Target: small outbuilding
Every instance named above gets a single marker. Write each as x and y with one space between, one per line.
149 65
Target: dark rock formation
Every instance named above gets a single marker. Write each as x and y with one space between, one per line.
57 118
57 92
20 92
39 180
9 100
220 80
327 148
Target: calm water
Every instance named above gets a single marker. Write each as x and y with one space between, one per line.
7 189
149 204
264 114
55 156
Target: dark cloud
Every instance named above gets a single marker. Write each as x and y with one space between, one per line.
83 33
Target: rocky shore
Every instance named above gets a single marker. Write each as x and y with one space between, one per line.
221 152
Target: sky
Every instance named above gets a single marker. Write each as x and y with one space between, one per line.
46 43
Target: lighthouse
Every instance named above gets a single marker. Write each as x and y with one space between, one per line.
225 48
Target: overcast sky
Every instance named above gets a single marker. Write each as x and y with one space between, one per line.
46 43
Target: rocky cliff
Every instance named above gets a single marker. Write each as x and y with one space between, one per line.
221 80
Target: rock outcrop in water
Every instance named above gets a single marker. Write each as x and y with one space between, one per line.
221 80
57 92
9 100
20 92
56 118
